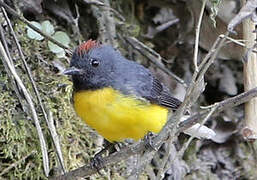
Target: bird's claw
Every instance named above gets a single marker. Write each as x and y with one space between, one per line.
97 162
148 139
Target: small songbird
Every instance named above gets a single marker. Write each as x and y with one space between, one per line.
117 97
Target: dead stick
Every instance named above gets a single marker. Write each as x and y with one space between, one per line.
250 79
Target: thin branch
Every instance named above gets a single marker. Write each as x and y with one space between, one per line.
221 106
166 25
114 158
32 108
162 167
250 65
197 34
236 41
185 146
13 82
35 89
248 10
16 163
193 91
56 140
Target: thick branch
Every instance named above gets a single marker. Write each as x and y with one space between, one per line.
250 76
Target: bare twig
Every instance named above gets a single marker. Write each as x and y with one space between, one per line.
197 33
56 140
238 42
13 165
228 103
25 64
248 10
13 82
164 26
193 91
32 108
51 128
161 167
185 146
114 158
250 69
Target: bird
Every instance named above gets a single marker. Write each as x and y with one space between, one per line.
118 98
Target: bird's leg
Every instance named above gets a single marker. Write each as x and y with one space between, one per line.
148 139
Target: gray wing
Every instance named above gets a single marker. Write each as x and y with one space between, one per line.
137 80
160 94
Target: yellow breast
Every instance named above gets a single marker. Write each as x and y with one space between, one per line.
117 117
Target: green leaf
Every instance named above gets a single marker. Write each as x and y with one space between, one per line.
62 38
54 48
47 27
33 34
61 54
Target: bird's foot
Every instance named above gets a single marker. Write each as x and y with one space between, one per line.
148 139
98 162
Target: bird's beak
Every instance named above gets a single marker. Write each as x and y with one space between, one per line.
72 71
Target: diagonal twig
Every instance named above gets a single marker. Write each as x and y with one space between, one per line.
197 34
56 143
13 165
13 82
32 108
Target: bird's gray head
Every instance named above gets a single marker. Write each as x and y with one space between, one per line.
93 66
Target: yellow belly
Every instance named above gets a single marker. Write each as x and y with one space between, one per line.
117 117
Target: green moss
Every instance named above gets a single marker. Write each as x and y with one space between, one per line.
18 135
18 139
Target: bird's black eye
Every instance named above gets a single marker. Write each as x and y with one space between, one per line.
94 62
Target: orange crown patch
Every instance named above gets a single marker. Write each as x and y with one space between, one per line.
86 46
